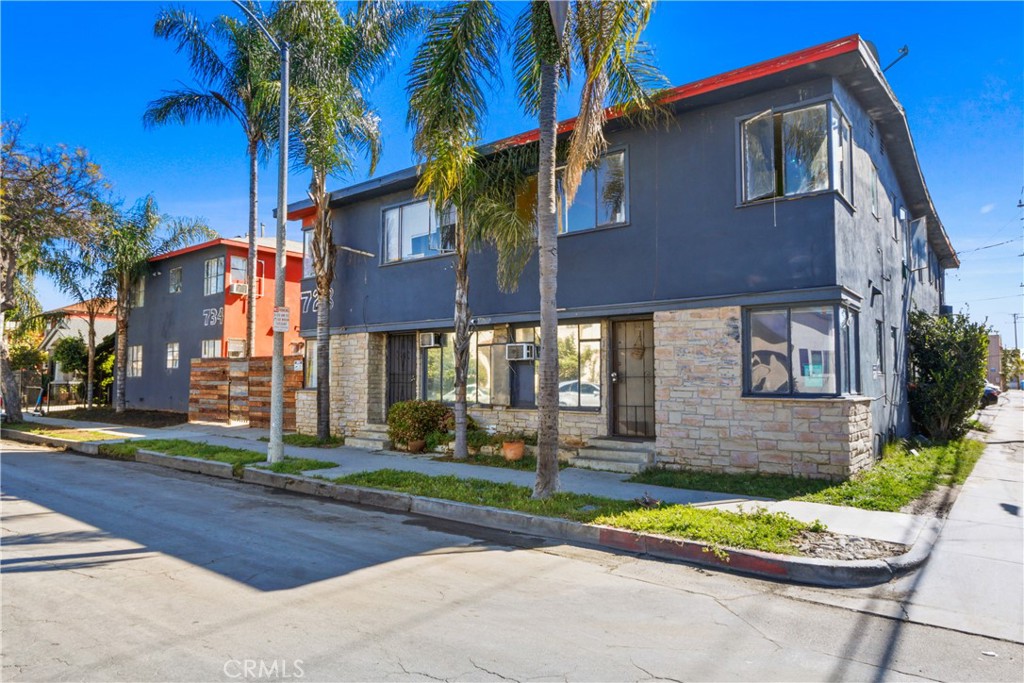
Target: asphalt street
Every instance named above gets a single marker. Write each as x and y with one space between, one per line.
124 571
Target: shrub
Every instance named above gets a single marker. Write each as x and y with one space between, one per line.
413 420
478 438
948 356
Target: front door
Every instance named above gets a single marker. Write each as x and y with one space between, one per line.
632 378
401 368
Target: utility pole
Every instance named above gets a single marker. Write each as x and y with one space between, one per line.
275 449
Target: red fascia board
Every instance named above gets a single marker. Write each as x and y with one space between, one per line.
736 76
216 242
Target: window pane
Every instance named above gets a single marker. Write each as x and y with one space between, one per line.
416 230
175 286
583 211
805 150
813 346
483 367
591 331
769 352
307 253
590 374
392 251
442 238
758 157
238 268
568 366
432 386
611 181
471 374
448 366
309 366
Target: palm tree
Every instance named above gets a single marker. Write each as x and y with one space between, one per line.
446 108
334 61
235 83
602 37
131 239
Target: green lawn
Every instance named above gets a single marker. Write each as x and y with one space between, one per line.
528 463
897 479
237 457
69 433
771 532
298 465
309 440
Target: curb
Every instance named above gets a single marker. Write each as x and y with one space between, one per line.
785 568
86 447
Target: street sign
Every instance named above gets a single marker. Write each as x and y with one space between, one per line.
282 319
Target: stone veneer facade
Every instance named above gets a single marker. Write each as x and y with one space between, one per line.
357 385
705 423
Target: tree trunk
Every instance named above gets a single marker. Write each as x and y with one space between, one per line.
547 240
461 336
121 353
250 273
11 393
91 365
323 365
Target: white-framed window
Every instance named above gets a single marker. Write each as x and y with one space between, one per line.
213 276
896 224
236 348
135 361
175 281
239 268
795 350
785 153
843 155
211 348
309 365
416 230
601 198
139 293
875 211
172 355
307 253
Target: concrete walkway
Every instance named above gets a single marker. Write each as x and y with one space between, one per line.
887 526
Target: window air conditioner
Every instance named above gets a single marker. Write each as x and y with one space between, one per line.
239 288
520 351
429 340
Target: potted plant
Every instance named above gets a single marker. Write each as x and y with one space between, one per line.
512 445
409 422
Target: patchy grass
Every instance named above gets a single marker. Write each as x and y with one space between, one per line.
309 441
68 433
978 426
298 465
118 451
528 463
192 449
901 476
773 486
771 532
131 418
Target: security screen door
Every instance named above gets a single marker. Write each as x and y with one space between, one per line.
401 368
633 378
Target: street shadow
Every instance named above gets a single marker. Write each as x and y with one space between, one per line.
267 539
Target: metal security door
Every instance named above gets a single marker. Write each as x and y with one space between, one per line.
633 378
401 368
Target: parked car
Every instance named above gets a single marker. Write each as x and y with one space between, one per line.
470 394
990 396
576 394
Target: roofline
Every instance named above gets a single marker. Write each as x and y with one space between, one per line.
304 208
216 242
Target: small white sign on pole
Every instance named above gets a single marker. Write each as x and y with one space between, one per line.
282 319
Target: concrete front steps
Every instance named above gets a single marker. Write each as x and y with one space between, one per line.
614 455
372 437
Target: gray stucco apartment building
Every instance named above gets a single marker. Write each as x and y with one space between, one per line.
737 300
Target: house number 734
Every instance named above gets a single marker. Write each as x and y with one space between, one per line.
213 316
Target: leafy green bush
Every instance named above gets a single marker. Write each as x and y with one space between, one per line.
948 356
413 420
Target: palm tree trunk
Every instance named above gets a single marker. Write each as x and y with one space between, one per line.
547 239
250 273
461 337
11 393
121 357
323 366
91 365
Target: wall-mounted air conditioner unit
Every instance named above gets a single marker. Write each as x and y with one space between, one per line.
239 288
520 351
429 340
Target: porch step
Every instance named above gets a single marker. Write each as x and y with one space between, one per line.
612 455
372 437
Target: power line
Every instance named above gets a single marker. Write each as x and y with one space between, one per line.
987 246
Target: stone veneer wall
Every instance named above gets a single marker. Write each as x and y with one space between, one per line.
357 386
704 422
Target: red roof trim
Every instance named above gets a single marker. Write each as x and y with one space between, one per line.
219 241
735 77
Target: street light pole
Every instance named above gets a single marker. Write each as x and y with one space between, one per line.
275 449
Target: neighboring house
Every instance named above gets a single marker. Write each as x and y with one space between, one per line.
73 321
733 289
193 304
994 367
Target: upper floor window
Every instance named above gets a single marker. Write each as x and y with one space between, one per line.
139 293
172 355
307 253
786 154
213 276
875 211
843 156
175 285
796 350
600 199
417 230
135 361
239 268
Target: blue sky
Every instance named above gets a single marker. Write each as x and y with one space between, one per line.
81 73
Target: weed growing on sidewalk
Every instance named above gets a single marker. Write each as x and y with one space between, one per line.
760 530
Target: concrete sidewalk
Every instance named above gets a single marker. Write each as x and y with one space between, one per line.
886 526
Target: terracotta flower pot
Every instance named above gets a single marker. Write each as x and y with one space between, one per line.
416 446
512 450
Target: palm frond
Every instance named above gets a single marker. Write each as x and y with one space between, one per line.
192 37
189 106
